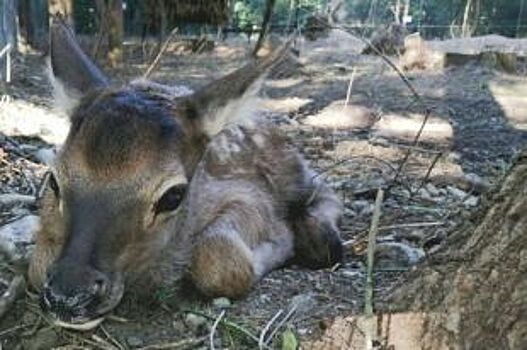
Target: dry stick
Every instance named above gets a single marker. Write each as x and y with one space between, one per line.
428 172
281 323
156 60
348 93
374 228
368 297
111 338
213 329
228 324
266 328
192 342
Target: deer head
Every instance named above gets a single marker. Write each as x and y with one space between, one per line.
117 189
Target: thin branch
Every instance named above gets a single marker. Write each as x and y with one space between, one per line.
213 329
350 85
266 328
428 172
156 60
374 228
281 323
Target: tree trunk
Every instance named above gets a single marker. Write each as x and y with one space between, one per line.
472 294
115 31
269 5
33 22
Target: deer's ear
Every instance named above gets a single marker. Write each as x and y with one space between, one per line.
72 73
230 99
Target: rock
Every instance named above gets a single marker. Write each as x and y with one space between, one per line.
477 183
362 207
195 322
433 190
134 341
471 201
397 255
46 155
221 303
456 192
44 339
17 236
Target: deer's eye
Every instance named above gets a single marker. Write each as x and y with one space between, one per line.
53 184
170 200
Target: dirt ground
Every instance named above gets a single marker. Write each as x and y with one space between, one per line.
477 122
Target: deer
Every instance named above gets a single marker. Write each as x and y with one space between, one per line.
149 186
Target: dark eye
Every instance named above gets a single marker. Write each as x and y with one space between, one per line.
52 181
170 200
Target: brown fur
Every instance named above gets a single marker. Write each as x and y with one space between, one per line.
249 202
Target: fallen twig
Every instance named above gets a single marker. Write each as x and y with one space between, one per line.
162 50
213 329
281 323
228 324
350 85
266 328
16 287
374 228
428 172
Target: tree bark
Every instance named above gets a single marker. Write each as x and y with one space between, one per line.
33 22
472 294
269 5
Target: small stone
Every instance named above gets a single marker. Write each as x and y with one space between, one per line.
221 303
134 341
477 183
471 202
17 236
456 192
46 155
432 189
195 322
397 255
362 207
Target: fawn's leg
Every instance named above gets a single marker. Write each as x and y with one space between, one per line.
315 224
236 250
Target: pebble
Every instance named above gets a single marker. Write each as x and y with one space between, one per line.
397 255
433 190
17 236
471 201
134 341
478 184
46 155
456 192
221 303
362 207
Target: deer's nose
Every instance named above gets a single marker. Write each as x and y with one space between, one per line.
71 293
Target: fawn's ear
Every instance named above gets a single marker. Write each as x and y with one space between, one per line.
72 73
229 99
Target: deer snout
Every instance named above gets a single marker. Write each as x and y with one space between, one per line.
72 293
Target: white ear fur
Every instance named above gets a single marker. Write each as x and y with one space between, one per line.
64 100
239 111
